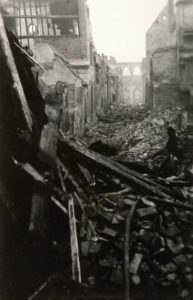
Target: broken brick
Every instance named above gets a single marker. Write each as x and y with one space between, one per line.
146 212
136 280
174 248
135 263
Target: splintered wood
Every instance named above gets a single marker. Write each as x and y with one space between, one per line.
76 271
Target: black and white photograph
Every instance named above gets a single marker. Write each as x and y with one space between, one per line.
96 150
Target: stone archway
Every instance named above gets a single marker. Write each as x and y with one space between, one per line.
131 75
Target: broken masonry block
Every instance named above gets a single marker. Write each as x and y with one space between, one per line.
146 212
110 232
184 294
135 263
174 248
180 260
148 203
169 268
129 202
136 280
85 248
171 277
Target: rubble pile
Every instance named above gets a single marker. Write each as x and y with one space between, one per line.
111 204
78 214
136 133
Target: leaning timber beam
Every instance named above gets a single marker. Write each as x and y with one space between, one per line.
84 154
8 55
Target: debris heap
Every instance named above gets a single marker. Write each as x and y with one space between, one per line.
136 133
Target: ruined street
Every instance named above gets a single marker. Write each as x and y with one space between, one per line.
96 160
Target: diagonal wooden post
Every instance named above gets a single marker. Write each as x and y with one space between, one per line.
76 271
8 55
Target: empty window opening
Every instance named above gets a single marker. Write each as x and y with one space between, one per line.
42 18
127 72
137 71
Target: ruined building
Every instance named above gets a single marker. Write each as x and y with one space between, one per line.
59 34
169 64
131 81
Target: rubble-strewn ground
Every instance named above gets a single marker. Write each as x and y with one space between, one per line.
136 133
129 224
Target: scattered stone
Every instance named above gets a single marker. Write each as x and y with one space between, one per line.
146 212
135 263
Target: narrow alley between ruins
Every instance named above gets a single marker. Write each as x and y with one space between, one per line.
96 160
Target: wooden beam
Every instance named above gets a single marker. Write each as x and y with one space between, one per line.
30 57
115 168
8 55
41 17
76 271
127 250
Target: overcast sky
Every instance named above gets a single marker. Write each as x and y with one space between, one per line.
119 26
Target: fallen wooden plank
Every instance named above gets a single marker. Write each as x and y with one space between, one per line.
127 250
85 214
30 57
39 290
8 55
185 207
31 171
55 201
115 168
76 271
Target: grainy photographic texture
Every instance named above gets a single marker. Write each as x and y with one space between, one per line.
96 149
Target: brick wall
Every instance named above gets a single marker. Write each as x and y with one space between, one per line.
169 63
161 34
164 66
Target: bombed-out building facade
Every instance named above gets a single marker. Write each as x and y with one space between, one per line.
131 81
59 34
168 67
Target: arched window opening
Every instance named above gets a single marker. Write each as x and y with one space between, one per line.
137 71
126 72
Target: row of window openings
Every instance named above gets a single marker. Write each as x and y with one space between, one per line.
46 27
136 72
33 18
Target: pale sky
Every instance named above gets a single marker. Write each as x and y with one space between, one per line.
119 26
